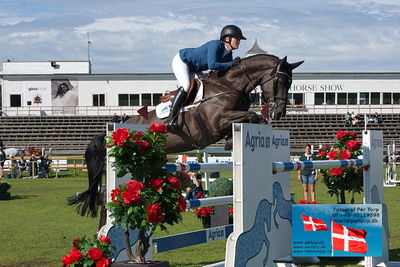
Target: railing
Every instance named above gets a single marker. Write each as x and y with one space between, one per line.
132 110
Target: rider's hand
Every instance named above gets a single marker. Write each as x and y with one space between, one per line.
235 61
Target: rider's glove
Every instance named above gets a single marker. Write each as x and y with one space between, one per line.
235 61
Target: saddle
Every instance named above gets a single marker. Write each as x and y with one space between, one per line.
195 84
193 98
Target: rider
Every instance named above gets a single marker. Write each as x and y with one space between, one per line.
213 55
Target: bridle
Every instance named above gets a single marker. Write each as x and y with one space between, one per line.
275 74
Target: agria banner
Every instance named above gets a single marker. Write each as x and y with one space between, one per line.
337 230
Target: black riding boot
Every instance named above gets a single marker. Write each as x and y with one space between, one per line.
177 102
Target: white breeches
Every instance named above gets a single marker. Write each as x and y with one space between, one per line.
181 71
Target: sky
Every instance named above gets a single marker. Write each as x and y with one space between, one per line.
136 36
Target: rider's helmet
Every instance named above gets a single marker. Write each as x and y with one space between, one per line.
231 30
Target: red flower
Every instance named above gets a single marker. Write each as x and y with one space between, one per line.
337 171
161 128
72 257
114 194
104 262
154 213
341 134
95 254
204 212
231 211
353 145
138 134
333 154
144 144
181 204
132 193
199 195
120 135
322 154
174 182
156 183
185 175
345 154
105 239
1 179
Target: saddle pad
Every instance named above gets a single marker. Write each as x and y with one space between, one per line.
163 109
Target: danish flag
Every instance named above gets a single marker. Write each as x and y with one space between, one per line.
348 239
313 224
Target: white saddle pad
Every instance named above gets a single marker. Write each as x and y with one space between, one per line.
163 109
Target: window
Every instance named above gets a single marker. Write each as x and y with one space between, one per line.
387 98
15 100
342 98
396 98
298 99
330 98
156 99
364 98
375 98
99 100
319 98
128 100
146 99
352 98
290 99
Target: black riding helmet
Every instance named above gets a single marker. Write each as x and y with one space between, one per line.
231 30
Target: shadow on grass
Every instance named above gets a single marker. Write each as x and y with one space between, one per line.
23 197
337 261
394 254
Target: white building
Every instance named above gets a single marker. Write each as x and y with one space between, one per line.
33 88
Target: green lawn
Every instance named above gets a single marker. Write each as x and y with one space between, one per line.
37 226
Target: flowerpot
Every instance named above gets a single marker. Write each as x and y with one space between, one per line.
128 263
5 196
206 221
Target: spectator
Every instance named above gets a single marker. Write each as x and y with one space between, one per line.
124 118
14 169
44 166
33 166
115 118
376 118
2 160
196 186
347 118
22 165
308 177
1 144
355 118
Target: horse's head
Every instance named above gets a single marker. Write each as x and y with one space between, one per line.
264 211
275 87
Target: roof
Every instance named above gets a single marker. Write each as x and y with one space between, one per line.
255 50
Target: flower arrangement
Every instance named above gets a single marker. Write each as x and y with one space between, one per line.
89 253
204 212
152 198
339 180
4 186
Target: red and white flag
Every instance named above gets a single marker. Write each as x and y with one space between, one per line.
313 224
348 239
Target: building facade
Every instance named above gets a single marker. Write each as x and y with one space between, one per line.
65 87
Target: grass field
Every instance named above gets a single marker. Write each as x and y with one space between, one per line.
37 227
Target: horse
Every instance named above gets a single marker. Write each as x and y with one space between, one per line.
13 152
250 243
226 101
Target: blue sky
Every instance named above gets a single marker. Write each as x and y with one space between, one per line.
135 36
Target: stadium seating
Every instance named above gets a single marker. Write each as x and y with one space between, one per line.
71 134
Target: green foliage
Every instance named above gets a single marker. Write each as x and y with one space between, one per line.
221 187
340 180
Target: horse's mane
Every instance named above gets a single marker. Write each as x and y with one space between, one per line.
258 58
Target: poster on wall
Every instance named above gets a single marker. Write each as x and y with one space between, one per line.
329 230
64 95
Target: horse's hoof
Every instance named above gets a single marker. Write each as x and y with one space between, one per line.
229 144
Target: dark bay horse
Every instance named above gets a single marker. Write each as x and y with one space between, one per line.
226 101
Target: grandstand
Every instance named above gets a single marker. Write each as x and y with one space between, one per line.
71 134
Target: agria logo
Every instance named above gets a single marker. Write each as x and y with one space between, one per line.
261 141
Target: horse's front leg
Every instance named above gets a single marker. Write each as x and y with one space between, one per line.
236 117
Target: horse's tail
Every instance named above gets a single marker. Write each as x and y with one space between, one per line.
89 200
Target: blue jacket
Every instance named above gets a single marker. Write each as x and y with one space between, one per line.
209 56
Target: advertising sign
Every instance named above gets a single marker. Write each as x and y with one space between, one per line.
337 230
